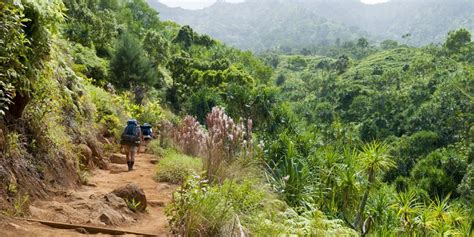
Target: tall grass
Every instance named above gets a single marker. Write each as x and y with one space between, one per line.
175 167
222 142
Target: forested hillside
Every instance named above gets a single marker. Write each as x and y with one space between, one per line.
252 26
306 23
346 140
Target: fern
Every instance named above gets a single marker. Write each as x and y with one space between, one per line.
6 97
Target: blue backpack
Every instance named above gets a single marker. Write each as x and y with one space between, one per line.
131 133
146 130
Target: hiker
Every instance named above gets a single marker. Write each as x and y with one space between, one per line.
147 134
130 141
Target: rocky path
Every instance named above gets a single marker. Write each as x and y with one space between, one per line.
94 205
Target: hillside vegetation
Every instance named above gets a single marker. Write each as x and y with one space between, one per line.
260 25
360 140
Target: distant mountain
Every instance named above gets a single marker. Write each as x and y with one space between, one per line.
264 24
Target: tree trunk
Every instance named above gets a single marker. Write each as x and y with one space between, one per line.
139 94
363 203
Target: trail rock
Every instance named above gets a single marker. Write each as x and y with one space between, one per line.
162 187
106 218
118 159
155 203
115 201
14 226
131 192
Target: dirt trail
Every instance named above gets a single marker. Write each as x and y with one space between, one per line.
87 204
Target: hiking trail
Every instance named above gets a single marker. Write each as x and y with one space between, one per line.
91 205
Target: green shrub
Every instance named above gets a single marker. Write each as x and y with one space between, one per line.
151 113
132 204
155 148
111 111
175 167
20 206
199 209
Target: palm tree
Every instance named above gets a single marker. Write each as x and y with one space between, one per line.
447 219
374 158
348 185
407 207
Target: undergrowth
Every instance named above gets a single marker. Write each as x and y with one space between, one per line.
133 204
20 206
201 209
175 167
155 148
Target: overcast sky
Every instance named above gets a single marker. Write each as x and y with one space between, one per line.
199 4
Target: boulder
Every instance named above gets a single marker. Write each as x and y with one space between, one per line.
118 159
131 192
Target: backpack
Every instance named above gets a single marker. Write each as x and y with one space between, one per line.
146 130
131 134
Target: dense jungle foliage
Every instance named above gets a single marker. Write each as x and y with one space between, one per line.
366 139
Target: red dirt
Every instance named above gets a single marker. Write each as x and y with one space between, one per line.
82 206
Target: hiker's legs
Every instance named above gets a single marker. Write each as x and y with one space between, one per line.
145 145
126 150
133 151
128 154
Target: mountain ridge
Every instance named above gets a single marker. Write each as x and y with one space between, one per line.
320 23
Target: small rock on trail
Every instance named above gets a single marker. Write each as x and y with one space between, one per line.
118 159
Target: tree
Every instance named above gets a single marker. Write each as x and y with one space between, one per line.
374 159
389 44
362 43
185 37
280 79
130 68
157 47
342 64
457 39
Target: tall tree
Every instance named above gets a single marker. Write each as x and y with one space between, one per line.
130 68
457 39
374 159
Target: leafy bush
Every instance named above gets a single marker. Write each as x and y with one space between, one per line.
88 63
440 172
204 210
228 209
175 167
110 112
6 96
151 113
20 206
154 148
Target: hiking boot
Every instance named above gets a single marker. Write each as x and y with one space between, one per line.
129 164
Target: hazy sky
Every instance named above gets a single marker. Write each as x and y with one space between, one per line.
199 4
